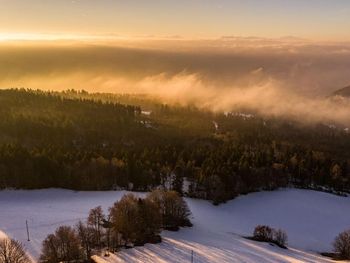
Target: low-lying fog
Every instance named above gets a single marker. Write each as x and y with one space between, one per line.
281 77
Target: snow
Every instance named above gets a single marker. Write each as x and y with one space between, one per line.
209 247
45 210
311 219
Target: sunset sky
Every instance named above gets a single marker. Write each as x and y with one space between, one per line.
312 19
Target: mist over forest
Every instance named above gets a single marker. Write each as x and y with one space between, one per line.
286 77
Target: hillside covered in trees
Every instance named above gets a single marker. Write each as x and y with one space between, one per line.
85 141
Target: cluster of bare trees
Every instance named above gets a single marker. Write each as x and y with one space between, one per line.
75 244
12 251
131 221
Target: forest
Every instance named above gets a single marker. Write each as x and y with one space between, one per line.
83 141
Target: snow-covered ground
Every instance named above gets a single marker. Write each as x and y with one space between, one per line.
311 220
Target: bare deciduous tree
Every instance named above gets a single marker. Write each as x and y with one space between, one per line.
11 251
95 221
86 237
63 245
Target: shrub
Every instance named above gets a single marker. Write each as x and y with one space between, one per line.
280 237
342 245
263 233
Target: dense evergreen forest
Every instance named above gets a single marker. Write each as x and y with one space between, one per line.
85 141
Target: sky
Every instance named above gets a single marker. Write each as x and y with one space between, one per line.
311 19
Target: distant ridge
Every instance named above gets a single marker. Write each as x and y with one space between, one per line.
344 92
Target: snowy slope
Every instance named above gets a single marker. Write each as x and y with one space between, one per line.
311 219
207 248
45 210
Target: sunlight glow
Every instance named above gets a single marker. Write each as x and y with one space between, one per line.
4 37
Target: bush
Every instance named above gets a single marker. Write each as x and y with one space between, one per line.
280 237
342 245
11 251
263 233
267 234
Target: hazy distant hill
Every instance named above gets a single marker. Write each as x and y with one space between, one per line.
344 92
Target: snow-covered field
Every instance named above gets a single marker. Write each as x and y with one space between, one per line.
311 219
